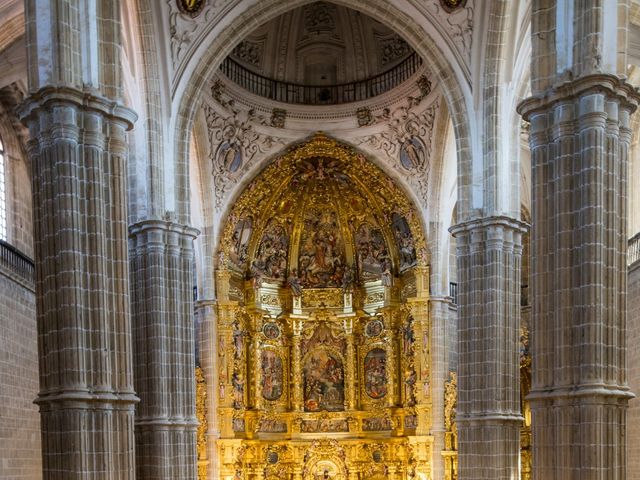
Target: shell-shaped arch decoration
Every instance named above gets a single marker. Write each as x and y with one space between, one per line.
325 213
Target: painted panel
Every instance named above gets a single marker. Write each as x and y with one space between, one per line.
323 382
272 375
375 373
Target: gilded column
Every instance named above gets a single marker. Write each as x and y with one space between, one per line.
296 361
390 349
78 153
257 369
351 365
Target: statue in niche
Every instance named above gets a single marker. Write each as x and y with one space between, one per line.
238 389
386 277
240 240
294 283
348 280
256 274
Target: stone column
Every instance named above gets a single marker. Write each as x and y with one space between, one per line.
488 414
161 255
580 138
439 314
78 153
209 362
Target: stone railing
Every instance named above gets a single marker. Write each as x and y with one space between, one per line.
633 253
320 94
16 263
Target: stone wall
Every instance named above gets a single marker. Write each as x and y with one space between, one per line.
633 363
19 419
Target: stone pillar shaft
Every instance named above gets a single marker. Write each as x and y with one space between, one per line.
579 139
439 313
488 414
161 255
78 152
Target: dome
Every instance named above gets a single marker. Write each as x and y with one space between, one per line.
321 45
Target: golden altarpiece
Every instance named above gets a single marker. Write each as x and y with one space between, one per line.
323 324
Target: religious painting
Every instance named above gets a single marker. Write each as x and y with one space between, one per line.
229 157
372 253
240 240
324 425
323 382
272 425
272 375
271 258
412 154
375 373
321 257
238 424
411 422
376 424
404 239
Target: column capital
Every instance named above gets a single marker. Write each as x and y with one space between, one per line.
87 99
597 83
499 221
159 225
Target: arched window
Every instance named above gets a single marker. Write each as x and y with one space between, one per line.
3 200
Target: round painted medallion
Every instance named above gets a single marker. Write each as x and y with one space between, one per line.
373 328
271 330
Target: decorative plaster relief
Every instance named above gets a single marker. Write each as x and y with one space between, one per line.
458 23
233 144
184 29
406 142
